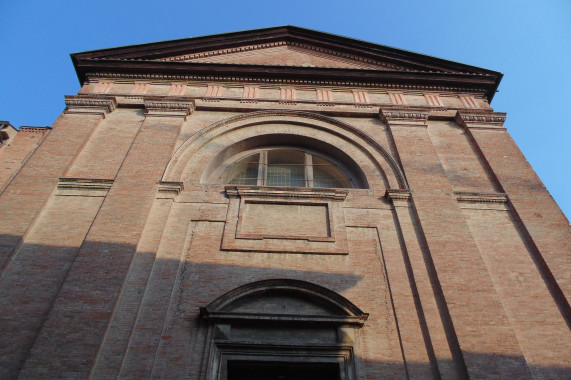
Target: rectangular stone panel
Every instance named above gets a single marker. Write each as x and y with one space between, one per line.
284 220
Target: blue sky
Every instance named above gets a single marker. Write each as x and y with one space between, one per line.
528 41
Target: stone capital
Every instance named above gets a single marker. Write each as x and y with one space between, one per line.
90 104
168 107
404 116
399 197
481 119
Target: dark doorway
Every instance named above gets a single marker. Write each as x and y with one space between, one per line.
259 370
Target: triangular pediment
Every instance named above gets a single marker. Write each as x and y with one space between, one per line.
284 53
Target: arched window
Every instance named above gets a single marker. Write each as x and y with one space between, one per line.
282 166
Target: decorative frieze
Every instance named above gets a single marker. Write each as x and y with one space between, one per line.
285 81
90 104
172 108
469 102
396 98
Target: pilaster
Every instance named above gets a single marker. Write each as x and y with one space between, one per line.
24 197
422 288
27 240
96 278
463 288
547 231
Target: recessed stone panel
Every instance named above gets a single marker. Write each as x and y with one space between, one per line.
260 220
285 220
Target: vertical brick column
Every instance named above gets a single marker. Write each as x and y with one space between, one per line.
24 198
428 321
540 220
29 278
472 314
15 155
69 341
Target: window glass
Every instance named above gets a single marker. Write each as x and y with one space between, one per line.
243 172
325 174
285 167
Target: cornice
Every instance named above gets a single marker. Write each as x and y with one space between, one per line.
94 187
90 104
168 108
404 116
285 192
481 119
479 197
399 197
169 190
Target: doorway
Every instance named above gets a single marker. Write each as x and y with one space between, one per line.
263 370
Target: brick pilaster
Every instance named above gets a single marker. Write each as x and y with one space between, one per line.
429 322
88 297
463 287
24 198
540 220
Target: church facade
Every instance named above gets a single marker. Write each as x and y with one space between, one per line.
276 204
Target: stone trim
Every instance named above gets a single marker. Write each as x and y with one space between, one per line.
399 197
404 116
93 187
391 161
482 200
286 193
352 315
169 190
481 120
477 197
168 107
90 104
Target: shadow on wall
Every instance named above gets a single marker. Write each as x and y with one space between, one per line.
64 314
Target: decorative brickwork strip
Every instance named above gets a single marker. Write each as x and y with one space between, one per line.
288 81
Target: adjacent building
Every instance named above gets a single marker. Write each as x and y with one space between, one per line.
280 203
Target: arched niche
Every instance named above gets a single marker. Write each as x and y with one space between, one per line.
281 324
199 158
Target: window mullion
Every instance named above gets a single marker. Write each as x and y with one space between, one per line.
262 164
308 170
